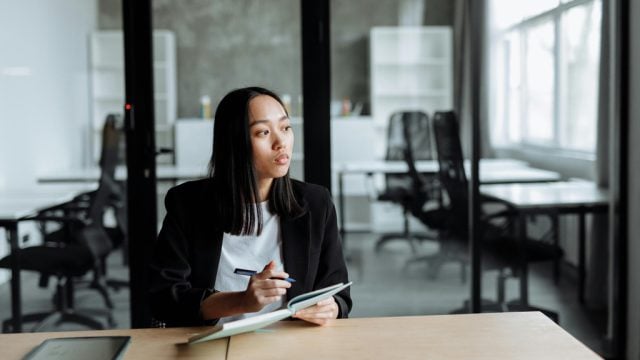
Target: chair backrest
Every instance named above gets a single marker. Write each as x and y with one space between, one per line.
420 193
419 129
110 146
94 235
407 127
110 157
451 166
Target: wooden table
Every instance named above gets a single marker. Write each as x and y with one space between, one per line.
558 198
145 343
528 335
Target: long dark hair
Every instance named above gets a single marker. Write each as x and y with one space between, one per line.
233 172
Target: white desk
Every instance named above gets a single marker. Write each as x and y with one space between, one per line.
566 197
15 206
425 166
163 173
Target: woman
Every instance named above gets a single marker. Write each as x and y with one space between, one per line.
250 215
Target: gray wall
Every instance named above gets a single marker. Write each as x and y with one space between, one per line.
350 24
224 44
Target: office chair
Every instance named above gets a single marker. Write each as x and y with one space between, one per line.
73 251
78 247
500 248
416 125
437 219
109 158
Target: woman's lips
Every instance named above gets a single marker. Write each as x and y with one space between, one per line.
282 159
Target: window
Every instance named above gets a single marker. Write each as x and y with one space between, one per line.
545 64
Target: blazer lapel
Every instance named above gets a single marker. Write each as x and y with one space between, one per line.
295 251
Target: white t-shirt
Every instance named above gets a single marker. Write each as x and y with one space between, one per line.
250 252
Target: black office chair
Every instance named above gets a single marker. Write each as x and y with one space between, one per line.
109 159
73 251
500 248
438 219
398 188
80 246
110 156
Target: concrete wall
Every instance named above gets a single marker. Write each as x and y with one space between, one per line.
224 44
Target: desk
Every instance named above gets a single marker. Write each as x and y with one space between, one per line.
15 206
528 335
567 197
145 343
492 171
163 173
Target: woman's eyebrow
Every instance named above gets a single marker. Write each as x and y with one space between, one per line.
255 122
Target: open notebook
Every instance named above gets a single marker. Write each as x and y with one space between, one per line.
259 321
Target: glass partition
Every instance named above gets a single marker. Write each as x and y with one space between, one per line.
61 147
392 70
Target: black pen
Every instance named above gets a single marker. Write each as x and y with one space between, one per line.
253 272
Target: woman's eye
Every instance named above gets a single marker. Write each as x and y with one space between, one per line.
287 128
263 132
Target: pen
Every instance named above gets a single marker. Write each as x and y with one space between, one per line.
253 272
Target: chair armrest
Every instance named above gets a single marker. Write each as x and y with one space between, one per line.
61 219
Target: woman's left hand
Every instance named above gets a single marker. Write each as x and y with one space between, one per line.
319 313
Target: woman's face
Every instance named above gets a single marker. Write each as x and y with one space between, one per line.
271 137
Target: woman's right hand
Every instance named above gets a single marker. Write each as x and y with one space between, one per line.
265 287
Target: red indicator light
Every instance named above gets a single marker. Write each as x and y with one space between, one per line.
127 106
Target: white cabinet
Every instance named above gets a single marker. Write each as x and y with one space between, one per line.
411 69
107 83
194 143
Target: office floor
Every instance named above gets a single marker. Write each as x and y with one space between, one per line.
381 288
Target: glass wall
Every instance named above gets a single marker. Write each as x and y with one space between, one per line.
392 69
405 229
59 82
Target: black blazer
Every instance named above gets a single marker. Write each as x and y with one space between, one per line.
185 262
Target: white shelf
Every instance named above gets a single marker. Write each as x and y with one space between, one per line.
413 62
109 67
411 69
409 93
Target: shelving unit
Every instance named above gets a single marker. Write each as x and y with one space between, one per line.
411 69
107 84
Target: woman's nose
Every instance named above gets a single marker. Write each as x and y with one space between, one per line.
279 141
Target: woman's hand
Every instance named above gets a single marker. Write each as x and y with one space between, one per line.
265 288
319 313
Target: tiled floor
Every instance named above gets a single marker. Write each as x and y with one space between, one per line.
381 288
